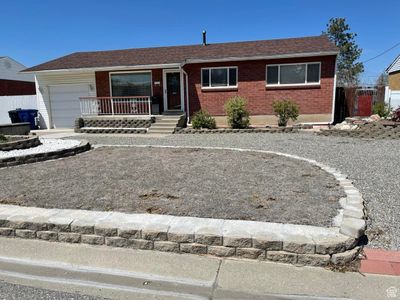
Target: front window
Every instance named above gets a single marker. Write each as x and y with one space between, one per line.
219 77
131 84
293 74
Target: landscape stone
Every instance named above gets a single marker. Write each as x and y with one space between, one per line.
193 248
92 239
47 235
221 251
69 237
166 246
25 234
282 256
251 253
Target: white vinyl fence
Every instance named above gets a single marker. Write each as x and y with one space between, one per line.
12 102
394 99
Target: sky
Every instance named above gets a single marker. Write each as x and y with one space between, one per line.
34 31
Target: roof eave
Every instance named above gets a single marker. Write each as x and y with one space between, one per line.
113 68
262 57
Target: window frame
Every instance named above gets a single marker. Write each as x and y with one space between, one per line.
130 72
292 84
227 77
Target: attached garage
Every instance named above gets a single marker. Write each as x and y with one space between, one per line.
58 96
64 102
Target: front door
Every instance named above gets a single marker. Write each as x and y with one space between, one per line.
173 81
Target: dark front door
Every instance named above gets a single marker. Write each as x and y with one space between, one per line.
174 90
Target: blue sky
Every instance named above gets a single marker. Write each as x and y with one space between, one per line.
37 31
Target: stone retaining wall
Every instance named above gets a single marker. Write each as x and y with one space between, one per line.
20 142
112 122
31 158
230 130
287 243
15 129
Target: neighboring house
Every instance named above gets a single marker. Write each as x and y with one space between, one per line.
12 82
394 82
17 90
190 78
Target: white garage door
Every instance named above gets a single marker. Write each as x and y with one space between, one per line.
65 106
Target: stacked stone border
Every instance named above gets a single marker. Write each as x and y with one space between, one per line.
37 157
373 130
230 130
287 243
119 124
20 142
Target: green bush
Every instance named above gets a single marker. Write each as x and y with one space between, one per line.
381 109
237 114
3 139
285 110
203 119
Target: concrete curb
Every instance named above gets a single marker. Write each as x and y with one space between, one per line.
288 243
31 158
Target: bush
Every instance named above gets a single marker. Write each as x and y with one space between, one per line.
237 114
396 115
3 139
285 110
203 119
381 109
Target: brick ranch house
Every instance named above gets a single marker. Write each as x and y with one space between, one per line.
150 81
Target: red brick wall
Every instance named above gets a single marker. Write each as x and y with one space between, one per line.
103 82
16 88
251 85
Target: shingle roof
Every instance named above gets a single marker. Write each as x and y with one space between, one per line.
181 54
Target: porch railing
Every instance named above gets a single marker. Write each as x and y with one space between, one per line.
98 106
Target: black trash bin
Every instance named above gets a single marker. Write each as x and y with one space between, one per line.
13 114
28 115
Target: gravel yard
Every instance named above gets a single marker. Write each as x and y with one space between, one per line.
186 182
373 165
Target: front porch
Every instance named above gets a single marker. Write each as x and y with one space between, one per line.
126 114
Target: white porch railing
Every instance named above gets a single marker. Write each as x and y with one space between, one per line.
97 106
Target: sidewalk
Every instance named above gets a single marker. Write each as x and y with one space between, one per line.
120 273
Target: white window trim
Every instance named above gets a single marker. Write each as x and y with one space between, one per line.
130 72
292 84
219 87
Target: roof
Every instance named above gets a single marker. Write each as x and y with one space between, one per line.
317 45
394 66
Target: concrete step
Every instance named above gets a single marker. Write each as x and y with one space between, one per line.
169 126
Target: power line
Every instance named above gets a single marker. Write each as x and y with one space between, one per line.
384 52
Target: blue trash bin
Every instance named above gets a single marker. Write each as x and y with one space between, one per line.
28 115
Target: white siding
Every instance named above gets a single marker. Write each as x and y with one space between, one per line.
45 80
9 69
395 99
395 66
12 102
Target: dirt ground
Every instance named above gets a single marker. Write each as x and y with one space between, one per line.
184 182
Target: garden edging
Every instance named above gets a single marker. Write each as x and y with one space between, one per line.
24 142
289 243
37 157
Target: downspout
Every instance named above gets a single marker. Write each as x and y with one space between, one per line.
187 96
333 101
334 92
